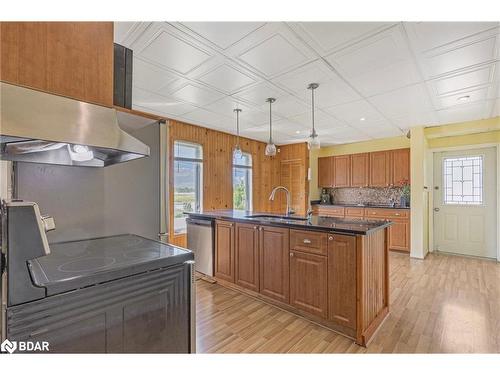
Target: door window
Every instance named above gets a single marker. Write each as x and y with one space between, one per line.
463 180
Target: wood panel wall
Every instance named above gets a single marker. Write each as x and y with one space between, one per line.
217 169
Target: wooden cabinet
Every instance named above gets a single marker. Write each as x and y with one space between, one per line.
325 171
308 241
342 171
73 59
360 170
354 212
274 263
399 235
330 211
400 166
247 256
308 282
342 279
379 168
224 254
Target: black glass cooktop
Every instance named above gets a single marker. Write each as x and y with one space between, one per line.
77 264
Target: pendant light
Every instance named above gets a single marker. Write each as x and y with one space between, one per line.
237 149
270 147
313 141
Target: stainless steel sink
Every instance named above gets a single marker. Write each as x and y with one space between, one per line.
276 217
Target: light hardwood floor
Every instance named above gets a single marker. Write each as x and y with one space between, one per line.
443 304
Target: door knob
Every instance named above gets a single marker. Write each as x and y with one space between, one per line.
436 209
330 238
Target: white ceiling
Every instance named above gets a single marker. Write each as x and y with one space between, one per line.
376 79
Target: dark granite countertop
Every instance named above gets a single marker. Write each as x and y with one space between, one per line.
397 207
322 223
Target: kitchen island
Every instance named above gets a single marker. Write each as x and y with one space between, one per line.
333 271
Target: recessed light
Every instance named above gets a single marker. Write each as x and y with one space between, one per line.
297 132
362 119
464 98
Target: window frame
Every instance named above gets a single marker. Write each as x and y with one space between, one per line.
198 183
249 179
444 202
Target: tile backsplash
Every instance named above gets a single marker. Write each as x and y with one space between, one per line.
366 195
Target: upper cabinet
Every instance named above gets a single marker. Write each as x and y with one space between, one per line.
325 171
342 171
380 168
369 169
360 169
72 59
400 166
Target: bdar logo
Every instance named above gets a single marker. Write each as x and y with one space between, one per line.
8 346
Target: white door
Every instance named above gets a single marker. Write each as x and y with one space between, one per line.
465 200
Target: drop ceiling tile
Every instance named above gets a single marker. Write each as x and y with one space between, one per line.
288 127
463 81
209 119
260 92
297 80
287 106
321 120
354 112
453 100
223 34
196 94
415 119
333 35
174 53
158 104
273 56
470 112
403 102
378 64
333 92
496 108
226 78
149 76
428 35
462 57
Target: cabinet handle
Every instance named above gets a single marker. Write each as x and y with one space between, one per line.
260 228
255 227
307 241
397 214
330 238
291 255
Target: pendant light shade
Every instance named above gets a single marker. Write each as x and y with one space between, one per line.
313 141
237 149
270 147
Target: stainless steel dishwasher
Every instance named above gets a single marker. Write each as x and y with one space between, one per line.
200 240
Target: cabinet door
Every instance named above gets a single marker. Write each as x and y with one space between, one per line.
247 256
73 59
342 279
274 263
308 282
399 235
360 170
342 171
292 176
224 250
325 167
400 166
379 168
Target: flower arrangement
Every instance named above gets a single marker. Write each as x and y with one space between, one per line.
405 192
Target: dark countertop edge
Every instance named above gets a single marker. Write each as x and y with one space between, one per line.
317 203
292 225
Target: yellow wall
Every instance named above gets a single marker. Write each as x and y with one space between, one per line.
465 140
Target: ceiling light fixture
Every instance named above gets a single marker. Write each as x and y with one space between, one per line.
362 119
464 98
297 131
313 141
270 147
237 149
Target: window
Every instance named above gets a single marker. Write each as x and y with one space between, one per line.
242 182
463 180
188 182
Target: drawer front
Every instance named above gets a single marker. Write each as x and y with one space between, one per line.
354 211
308 241
387 213
330 211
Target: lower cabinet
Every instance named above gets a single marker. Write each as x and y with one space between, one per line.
342 279
308 283
274 263
399 235
224 254
247 256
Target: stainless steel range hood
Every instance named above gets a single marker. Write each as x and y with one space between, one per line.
42 128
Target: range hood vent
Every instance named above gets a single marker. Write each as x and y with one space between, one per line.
43 128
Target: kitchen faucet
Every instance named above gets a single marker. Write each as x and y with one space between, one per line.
289 211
